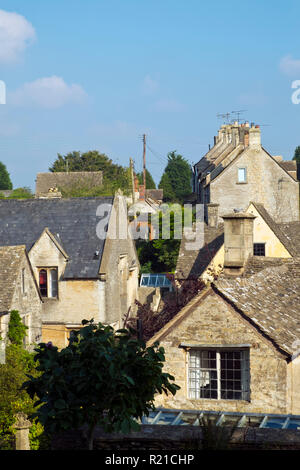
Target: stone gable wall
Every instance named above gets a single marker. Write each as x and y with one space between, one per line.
215 322
267 183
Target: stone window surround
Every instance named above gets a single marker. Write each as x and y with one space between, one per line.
218 349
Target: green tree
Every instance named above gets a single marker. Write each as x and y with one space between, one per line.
103 377
178 179
18 363
166 185
21 193
150 184
16 329
160 254
114 176
297 154
5 182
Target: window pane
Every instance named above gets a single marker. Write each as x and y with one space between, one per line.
43 283
53 280
242 175
259 249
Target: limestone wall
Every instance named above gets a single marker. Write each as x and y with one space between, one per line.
267 183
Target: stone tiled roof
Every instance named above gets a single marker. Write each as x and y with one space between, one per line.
290 166
192 263
270 298
291 231
10 262
73 221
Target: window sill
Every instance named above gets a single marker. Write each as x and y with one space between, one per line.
222 400
49 299
242 182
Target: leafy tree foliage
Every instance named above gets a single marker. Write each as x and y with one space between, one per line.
16 329
160 254
176 179
297 154
5 182
114 176
18 363
102 377
21 193
166 185
150 183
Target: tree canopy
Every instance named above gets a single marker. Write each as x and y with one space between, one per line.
103 377
18 363
176 179
5 182
150 183
297 154
114 176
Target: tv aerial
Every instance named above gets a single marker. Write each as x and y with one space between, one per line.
224 116
237 113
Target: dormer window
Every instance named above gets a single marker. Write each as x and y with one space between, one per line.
48 282
242 175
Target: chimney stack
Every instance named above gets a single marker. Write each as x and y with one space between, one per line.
254 136
212 214
238 241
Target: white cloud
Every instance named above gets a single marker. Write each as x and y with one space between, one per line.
16 33
149 85
48 92
290 66
169 106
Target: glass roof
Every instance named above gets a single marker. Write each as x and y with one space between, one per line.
193 417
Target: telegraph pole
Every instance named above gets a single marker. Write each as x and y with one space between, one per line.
144 162
132 180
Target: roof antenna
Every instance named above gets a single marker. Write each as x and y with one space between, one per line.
238 114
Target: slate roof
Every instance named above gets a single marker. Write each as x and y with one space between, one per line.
72 221
270 299
192 263
10 262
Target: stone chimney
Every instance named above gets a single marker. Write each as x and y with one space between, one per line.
238 241
212 214
254 136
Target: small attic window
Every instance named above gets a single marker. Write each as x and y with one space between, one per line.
242 175
259 249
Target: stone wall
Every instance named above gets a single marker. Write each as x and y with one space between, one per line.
178 438
267 183
28 303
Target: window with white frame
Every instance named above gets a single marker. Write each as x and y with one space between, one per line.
242 175
48 282
220 374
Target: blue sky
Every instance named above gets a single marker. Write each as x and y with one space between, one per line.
97 74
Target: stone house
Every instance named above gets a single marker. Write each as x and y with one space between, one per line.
82 257
19 291
237 170
235 346
67 181
270 240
